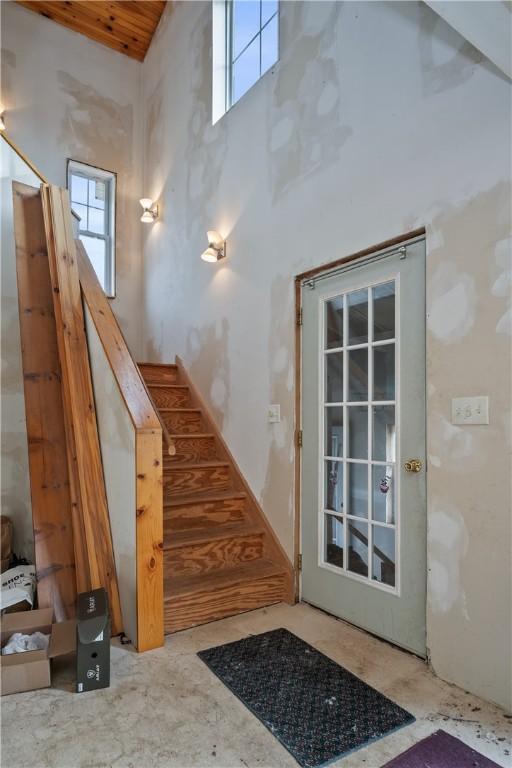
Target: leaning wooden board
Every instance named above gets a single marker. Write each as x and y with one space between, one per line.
49 480
91 525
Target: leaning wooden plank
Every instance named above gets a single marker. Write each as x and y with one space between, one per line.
49 481
82 432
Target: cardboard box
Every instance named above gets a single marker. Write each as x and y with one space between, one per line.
93 641
30 670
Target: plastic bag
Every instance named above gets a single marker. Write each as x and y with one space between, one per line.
18 643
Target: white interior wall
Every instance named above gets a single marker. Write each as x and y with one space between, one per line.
377 119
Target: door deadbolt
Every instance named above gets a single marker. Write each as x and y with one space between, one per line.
413 465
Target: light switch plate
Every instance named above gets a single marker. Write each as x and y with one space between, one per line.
470 410
274 414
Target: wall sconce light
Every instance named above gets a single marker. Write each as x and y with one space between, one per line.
2 121
216 247
150 211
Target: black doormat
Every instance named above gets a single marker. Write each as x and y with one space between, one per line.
317 710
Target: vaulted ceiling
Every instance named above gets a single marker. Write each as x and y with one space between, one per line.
126 26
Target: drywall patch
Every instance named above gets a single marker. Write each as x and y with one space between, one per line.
305 133
207 362
278 488
447 60
8 65
456 448
206 143
447 546
95 128
453 299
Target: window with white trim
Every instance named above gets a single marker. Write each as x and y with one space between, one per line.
245 46
92 194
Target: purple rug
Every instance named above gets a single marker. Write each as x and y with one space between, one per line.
440 750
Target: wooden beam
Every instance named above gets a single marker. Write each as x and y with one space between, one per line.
82 429
49 479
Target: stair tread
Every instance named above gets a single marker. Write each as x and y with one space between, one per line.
158 365
191 435
178 539
170 464
168 386
199 498
251 570
179 410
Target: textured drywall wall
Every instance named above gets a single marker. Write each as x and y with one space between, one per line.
344 144
117 442
16 502
66 96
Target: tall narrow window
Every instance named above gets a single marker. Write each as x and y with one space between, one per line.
245 46
92 192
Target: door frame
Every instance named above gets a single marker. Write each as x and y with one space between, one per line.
310 274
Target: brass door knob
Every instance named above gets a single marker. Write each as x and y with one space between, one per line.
413 465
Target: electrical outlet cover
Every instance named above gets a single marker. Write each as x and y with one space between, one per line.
470 410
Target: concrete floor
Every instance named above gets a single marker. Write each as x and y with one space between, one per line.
165 708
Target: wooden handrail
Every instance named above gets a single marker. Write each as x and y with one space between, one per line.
30 164
133 389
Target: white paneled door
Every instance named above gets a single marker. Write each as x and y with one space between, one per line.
363 522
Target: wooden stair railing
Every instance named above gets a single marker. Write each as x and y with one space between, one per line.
149 437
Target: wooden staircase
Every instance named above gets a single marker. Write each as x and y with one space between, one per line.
221 557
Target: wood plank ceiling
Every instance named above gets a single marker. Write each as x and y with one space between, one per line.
126 26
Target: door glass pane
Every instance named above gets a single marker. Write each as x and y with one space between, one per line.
384 372
334 377
358 374
96 252
246 69
334 431
357 431
334 323
269 45
246 23
358 317
358 547
383 493
384 311
78 189
383 564
334 485
97 221
384 433
357 481
334 541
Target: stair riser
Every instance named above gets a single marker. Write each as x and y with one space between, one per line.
183 423
213 555
190 479
200 608
178 397
194 449
190 517
159 374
